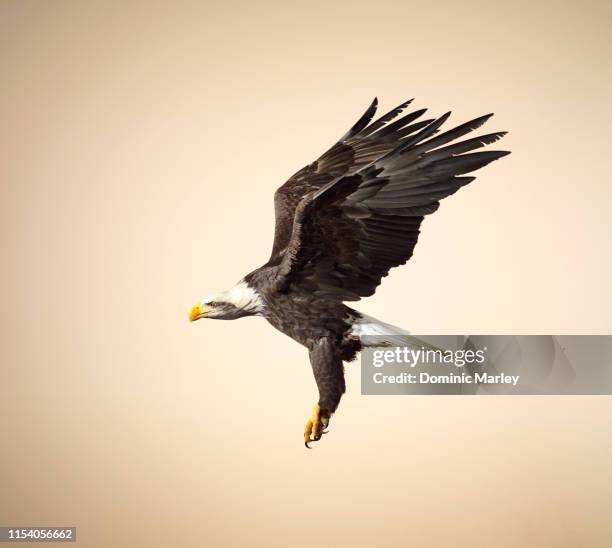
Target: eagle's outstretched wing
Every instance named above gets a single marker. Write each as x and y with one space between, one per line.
357 221
361 145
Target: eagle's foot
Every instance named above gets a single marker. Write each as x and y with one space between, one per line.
315 427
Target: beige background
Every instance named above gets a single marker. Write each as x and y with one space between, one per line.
140 144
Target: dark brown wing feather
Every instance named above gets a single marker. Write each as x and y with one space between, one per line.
361 145
350 232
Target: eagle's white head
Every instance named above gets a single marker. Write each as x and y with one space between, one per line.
241 300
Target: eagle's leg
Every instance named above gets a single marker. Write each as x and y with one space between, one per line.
326 361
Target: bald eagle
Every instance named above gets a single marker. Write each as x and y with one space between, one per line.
342 222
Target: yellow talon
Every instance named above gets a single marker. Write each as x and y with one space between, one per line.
314 426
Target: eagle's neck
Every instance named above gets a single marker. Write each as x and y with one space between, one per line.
245 298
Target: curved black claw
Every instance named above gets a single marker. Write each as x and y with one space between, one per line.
311 440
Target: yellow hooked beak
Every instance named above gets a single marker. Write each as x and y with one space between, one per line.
197 312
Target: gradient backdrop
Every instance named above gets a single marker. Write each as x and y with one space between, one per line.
140 145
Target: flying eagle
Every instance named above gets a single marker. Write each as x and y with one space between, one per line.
342 222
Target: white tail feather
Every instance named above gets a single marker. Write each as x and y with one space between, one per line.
373 332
